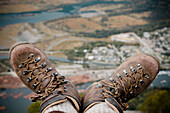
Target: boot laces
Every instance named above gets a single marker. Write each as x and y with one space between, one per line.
56 85
112 90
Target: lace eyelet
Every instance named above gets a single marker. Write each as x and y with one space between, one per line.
25 72
112 80
133 69
65 90
136 87
126 73
38 92
66 81
146 76
65 87
48 69
141 82
37 59
34 86
131 93
119 76
54 74
99 86
29 79
101 91
43 65
30 56
21 65
61 78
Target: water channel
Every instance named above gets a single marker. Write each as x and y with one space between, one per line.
44 15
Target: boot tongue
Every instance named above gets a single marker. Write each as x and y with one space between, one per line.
45 83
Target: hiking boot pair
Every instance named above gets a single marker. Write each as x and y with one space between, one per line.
37 73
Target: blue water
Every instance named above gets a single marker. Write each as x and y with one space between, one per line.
44 15
6 19
18 105
165 81
65 60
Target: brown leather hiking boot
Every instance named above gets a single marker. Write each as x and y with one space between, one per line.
35 70
130 79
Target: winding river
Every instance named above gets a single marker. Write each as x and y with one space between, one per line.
45 15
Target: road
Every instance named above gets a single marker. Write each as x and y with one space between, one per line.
65 39
9 73
123 58
6 67
147 46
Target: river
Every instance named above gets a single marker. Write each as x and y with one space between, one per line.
65 60
44 15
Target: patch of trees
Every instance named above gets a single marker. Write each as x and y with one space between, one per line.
138 29
157 102
159 18
152 101
34 107
159 8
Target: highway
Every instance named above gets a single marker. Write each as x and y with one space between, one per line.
147 46
65 39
